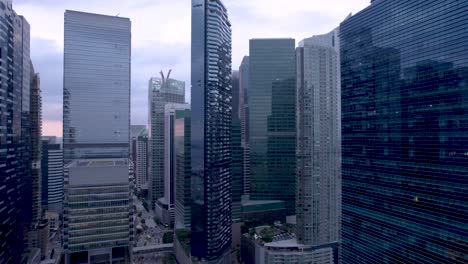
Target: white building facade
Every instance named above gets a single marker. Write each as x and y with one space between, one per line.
319 140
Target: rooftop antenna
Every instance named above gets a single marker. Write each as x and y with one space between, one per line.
117 14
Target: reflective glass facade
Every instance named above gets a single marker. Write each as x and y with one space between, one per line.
182 167
211 130
15 135
244 119
96 83
160 93
405 132
272 120
237 150
98 174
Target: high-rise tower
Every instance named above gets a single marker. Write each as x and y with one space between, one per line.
211 131
404 68
244 122
98 174
272 120
318 185
17 210
161 91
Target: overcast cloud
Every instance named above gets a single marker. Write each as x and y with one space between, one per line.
161 37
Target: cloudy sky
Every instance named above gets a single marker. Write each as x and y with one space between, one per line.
161 37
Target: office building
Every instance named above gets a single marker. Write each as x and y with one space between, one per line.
98 225
139 156
161 91
35 130
244 119
278 245
17 209
257 213
404 68
52 175
96 55
237 166
237 151
98 174
211 131
179 141
318 202
176 200
272 120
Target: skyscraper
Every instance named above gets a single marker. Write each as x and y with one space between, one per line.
176 167
139 155
404 82
98 210
237 151
52 175
244 119
272 120
211 131
16 182
161 91
319 141
35 120
96 122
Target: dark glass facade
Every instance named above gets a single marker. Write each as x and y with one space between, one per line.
15 135
272 120
237 167
237 150
211 131
244 119
405 132
183 195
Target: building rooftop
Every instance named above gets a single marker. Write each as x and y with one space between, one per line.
278 235
98 163
260 202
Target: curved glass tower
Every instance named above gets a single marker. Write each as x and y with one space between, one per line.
211 131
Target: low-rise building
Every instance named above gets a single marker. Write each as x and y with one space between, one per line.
278 245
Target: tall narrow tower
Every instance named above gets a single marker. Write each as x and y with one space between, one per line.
318 205
161 91
211 131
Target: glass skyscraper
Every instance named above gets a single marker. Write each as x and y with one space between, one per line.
161 91
244 122
96 122
319 141
98 174
139 156
405 132
16 153
211 131
272 120
177 164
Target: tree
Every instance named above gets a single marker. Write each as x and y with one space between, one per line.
168 238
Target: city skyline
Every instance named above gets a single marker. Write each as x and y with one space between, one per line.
244 133
166 47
